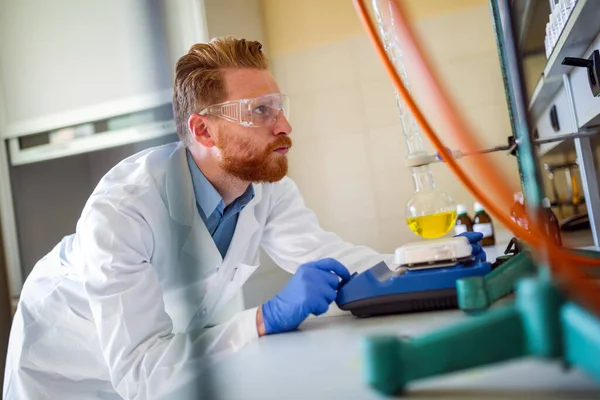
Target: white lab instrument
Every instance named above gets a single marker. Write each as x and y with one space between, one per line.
433 253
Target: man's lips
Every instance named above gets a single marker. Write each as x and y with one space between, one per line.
282 150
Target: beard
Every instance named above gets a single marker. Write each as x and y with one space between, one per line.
243 160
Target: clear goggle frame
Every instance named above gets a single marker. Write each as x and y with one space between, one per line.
257 112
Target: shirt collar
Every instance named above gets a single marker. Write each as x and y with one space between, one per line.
207 197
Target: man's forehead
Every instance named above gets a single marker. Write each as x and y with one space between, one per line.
244 83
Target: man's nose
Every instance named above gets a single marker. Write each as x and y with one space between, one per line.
282 126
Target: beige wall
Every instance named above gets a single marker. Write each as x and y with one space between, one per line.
533 68
240 18
293 25
348 155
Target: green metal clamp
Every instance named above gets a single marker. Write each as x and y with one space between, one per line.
480 292
539 323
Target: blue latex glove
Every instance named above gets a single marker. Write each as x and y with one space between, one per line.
475 239
310 290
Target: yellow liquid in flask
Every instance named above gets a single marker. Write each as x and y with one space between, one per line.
433 225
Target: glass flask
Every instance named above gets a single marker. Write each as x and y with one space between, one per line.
430 213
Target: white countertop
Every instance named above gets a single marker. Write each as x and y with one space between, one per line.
322 360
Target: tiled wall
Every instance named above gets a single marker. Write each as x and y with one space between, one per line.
348 153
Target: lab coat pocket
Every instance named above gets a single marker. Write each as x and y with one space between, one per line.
186 299
237 278
242 272
240 275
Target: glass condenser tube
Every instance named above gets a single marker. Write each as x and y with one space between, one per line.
430 213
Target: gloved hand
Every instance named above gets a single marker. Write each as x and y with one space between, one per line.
310 290
475 239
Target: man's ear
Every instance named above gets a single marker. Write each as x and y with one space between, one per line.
197 124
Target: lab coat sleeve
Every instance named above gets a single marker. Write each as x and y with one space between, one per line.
293 236
145 359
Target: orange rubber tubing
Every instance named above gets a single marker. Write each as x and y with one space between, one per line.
563 264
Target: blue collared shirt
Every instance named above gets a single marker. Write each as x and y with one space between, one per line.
219 220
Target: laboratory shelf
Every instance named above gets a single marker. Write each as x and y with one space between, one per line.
579 31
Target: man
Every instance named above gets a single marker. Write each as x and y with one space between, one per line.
117 310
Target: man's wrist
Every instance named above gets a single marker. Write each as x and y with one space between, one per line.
260 322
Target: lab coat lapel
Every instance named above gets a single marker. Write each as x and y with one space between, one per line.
197 243
179 190
226 285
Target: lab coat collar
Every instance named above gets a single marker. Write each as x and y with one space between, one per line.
207 196
182 204
179 191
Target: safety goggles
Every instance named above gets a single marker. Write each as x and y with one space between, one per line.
258 112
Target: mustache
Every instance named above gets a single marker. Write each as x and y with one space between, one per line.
281 141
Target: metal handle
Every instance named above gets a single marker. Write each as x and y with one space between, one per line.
592 65
577 62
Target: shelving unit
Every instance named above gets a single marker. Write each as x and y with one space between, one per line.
579 31
578 35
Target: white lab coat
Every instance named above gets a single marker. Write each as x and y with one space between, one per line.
117 310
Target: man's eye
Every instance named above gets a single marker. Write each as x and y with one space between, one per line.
261 110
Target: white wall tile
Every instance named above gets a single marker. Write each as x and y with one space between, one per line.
491 123
305 168
379 103
349 199
319 68
386 147
367 61
303 115
393 189
290 72
302 155
475 80
330 65
452 36
344 155
326 112
338 111
363 234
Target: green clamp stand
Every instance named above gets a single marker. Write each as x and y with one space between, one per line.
539 323
480 292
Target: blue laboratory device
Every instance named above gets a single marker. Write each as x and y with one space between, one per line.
381 290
